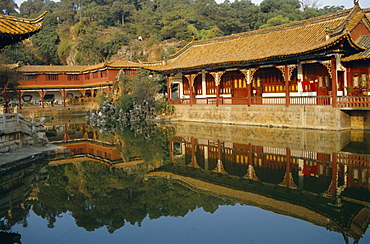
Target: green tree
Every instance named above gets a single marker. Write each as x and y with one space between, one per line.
9 78
8 7
30 8
47 39
121 10
277 20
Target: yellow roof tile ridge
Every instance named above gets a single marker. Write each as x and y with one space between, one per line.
350 22
20 19
292 25
181 51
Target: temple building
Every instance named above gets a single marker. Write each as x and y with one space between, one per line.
317 61
314 57
44 85
15 29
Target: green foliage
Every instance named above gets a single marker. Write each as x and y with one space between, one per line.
140 88
204 34
47 39
97 196
9 78
164 107
8 7
277 20
91 31
25 54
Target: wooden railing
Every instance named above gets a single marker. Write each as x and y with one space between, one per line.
360 102
350 102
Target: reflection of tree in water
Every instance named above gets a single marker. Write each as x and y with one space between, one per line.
98 196
135 135
151 143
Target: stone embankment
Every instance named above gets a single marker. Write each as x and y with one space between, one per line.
23 139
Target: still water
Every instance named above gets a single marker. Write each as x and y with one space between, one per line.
191 183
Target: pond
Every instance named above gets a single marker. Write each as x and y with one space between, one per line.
191 183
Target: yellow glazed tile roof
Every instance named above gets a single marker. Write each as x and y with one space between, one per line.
291 39
13 29
51 68
115 64
365 42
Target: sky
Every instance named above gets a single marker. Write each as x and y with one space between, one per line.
346 3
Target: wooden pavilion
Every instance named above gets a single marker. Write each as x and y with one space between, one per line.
310 62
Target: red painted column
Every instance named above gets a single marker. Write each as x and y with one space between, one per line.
334 80
169 96
287 92
217 95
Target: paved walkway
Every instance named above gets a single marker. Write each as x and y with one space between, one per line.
28 153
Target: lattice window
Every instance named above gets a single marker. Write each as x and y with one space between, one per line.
103 73
52 77
30 77
73 77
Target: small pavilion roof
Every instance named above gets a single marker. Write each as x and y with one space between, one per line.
362 41
14 29
115 64
288 40
365 42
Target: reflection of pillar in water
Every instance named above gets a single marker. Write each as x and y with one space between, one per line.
288 178
171 152
193 162
66 136
220 167
206 161
332 189
300 174
251 173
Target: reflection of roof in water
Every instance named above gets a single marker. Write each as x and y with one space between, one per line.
83 158
321 213
77 159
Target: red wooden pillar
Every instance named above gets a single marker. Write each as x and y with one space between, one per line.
217 95
334 80
249 73
191 79
287 91
169 95
217 78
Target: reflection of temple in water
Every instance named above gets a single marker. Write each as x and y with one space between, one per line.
326 187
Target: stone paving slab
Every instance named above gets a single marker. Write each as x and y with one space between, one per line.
28 153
